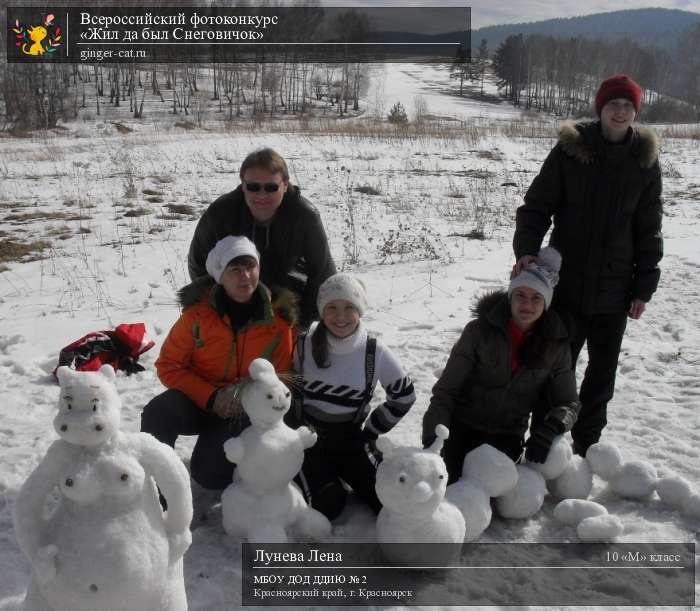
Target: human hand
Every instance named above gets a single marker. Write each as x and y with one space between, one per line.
637 308
541 439
522 263
227 402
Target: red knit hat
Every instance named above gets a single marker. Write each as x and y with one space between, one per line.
618 86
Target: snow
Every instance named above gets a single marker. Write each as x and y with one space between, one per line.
605 459
575 482
573 511
674 490
262 502
411 484
112 268
560 454
599 528
107 481
636 478
495 472
526 498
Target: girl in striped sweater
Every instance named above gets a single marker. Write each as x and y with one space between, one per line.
340 365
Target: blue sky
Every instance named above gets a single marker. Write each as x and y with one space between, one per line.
493 12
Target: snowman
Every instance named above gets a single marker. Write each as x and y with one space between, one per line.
106 543
262 502
411 484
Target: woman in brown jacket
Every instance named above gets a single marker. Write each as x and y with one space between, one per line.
512 360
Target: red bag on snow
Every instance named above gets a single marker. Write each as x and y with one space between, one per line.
119 348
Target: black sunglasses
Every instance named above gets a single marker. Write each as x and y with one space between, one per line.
269 187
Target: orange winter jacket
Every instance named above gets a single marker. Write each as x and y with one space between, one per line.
202 352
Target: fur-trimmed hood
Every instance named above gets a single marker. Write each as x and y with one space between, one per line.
493 307
581 140
284 302
485 303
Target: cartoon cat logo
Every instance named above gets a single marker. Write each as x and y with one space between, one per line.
38 39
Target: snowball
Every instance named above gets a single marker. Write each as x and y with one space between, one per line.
635 479
604 459
691 506
575 483
558 458
673 491
573 511
491 469
599 528
474 504
526 498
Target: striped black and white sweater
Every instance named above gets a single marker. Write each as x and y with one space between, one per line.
335 394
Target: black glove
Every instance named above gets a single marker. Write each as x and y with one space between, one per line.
368 434
541 438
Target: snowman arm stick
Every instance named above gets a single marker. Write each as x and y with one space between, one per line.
28 509
170 474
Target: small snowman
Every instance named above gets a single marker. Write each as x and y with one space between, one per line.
106 544
262 502
411 484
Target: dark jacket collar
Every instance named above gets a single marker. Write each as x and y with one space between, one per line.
494 308
583 141
284 302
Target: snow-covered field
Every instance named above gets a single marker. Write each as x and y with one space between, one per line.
110 205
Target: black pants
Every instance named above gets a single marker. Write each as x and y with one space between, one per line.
602 333
339 453
173 413
463 439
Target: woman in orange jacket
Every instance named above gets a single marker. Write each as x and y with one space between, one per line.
228 320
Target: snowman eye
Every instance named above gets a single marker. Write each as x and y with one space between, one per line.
286 394
402 478
269 395
441 477
69 406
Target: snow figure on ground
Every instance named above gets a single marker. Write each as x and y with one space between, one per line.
576 482
526 498
638 479
106 544
411 485
592 521
486 472
262 502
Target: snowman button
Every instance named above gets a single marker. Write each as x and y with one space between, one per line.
69 482
93 588
124 477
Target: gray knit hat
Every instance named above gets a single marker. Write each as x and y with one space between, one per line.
541 275
342 286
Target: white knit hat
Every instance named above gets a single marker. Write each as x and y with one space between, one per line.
342 286
226 250
541 275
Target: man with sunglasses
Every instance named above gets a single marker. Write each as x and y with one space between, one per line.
285 227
